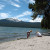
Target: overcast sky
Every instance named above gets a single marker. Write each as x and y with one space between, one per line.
17 9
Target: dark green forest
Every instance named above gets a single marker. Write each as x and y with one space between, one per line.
8 23
41 7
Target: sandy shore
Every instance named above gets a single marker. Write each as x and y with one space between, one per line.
34 43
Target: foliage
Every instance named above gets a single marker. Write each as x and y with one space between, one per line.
41 7
44 23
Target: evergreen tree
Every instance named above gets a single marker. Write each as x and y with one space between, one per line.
41 7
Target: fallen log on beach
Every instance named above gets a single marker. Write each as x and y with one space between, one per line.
46 34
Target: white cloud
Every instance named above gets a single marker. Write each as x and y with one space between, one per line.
31 1
24 19
1 6
4 15
36 20
21 16
30 20
14 4
24 14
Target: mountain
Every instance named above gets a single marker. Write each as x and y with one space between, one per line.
10 22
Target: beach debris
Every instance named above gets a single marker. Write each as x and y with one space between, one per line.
46 34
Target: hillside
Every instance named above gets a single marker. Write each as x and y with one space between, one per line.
17 23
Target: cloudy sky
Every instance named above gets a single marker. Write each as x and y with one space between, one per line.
17 9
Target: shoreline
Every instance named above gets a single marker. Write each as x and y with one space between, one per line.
33 43
15 38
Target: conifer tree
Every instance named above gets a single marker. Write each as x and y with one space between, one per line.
41 7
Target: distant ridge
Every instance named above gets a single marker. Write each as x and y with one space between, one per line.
10 22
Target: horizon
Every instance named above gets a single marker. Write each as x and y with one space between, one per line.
18 20
17 9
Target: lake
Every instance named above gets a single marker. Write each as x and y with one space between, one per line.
19 32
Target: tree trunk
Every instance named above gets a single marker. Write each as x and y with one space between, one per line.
47 16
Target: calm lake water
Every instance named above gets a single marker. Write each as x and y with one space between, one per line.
16 32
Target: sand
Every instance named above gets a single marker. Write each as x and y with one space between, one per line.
34 43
